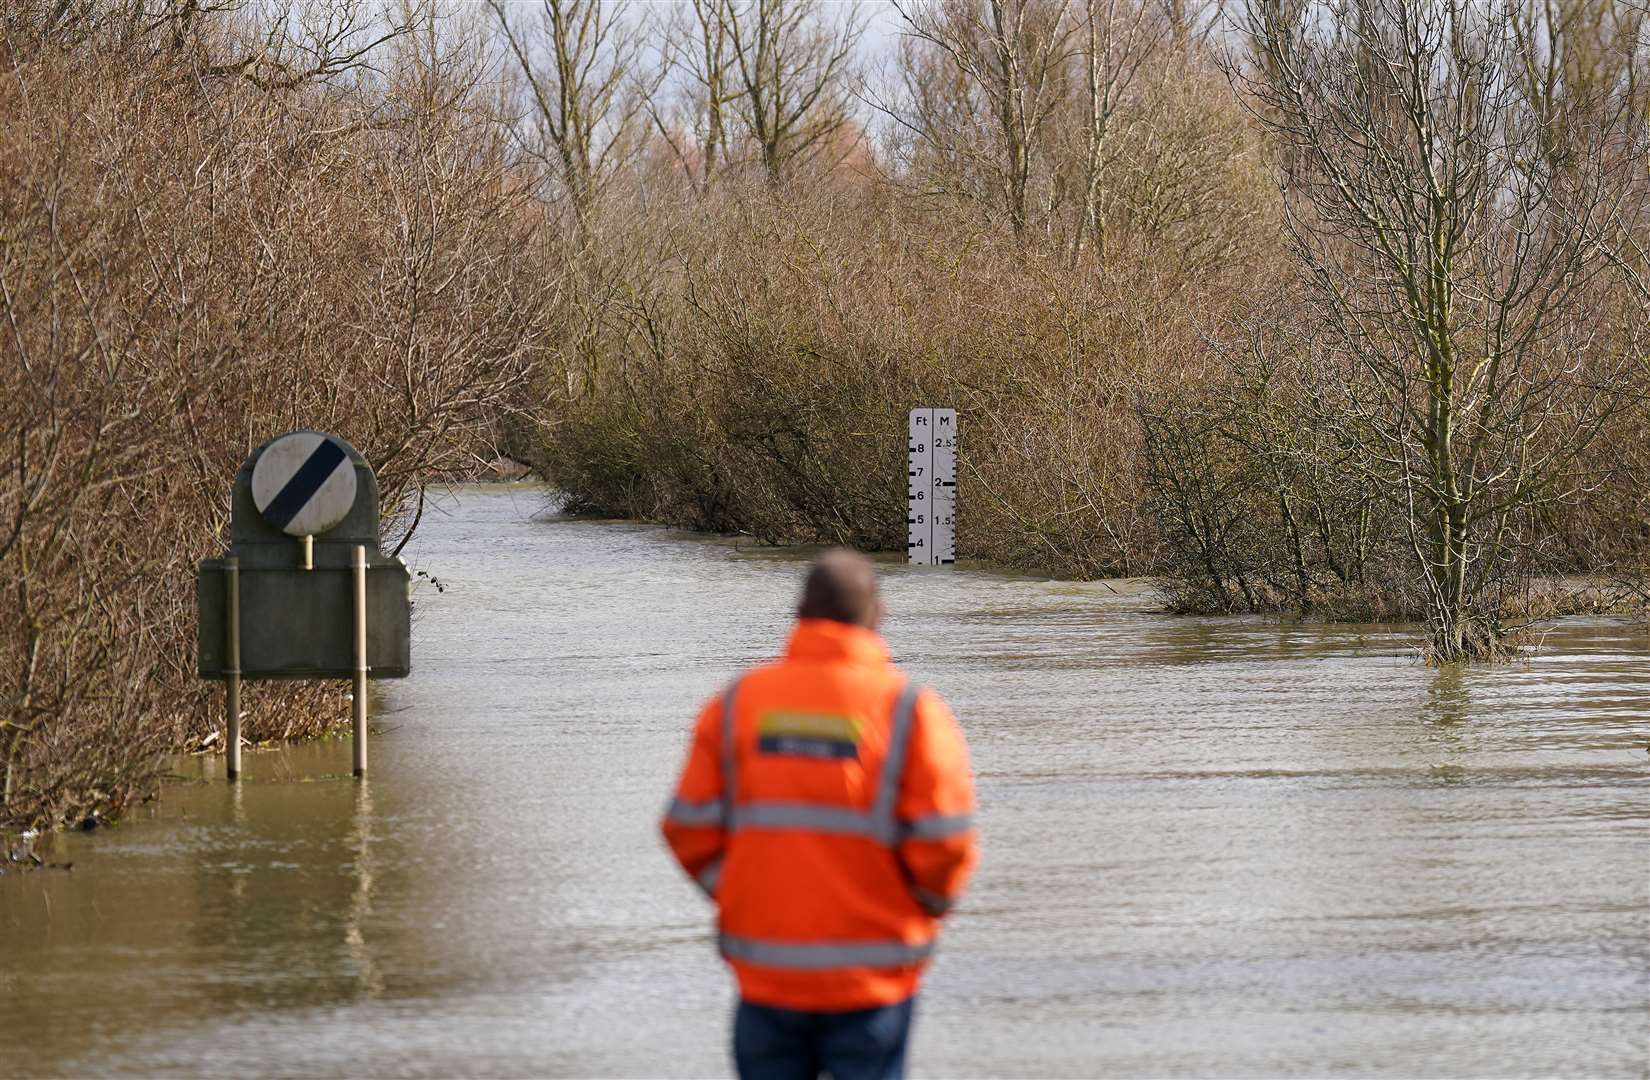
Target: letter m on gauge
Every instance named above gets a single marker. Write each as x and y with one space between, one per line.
931 488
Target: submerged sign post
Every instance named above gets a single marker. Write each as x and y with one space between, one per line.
304 591
931 488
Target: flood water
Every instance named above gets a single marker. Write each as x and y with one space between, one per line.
1212 847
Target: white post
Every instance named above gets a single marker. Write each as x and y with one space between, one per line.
360 703
931 492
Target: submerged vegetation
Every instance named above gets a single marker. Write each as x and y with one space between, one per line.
1301 307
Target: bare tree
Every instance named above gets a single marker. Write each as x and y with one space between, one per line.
791 62
1454 261
578 61
293 44
276 46
1117 38
764 81
131 23
1579 56
697 52
1012 58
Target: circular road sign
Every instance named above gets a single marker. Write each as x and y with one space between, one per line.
304 483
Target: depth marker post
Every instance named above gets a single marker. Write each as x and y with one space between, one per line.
931 488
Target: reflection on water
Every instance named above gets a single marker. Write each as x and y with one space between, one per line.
1212 847
371 982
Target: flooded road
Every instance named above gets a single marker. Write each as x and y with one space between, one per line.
1211 847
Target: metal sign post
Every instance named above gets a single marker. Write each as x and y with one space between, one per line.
359 697
931 488
232 670
304 592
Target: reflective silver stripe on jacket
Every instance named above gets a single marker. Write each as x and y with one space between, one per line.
824 955
937 826
690 812
710 876
893 767
878 823
801 815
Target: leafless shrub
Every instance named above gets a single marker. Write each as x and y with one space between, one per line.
1456 230
186 268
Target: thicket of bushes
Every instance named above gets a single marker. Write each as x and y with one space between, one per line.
189 264
752 351
1316 308
762 386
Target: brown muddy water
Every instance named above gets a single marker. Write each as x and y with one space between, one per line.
1212 847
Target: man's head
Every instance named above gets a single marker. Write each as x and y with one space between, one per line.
842 585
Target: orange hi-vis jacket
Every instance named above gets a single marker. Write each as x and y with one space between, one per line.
827 808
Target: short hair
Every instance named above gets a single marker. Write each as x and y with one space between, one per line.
841 586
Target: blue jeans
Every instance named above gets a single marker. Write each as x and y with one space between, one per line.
786 1044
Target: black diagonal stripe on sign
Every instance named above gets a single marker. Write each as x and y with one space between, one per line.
304 484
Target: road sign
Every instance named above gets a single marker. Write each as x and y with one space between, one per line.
931 489
305 590
304 483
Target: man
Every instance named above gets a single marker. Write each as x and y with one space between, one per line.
826 809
